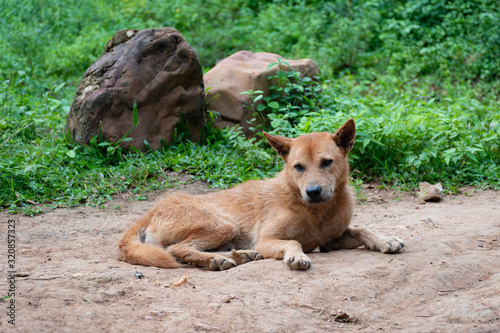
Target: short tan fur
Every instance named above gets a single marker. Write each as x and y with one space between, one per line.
309 204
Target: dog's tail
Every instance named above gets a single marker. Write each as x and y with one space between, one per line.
133 251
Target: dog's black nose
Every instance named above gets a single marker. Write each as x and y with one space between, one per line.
313 192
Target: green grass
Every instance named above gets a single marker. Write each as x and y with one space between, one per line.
42 168
421 78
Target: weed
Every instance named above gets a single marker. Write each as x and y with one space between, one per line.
420 78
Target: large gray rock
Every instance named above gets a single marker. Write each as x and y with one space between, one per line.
156 68
244 71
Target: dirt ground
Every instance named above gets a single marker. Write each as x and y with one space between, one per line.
446 280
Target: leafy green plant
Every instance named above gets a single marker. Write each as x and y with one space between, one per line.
256 96
411 141
291 97
421 79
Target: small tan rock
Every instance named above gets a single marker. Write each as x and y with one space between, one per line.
430 192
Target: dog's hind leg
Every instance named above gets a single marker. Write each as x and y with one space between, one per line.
190 252
215 234
353 238
206 237
192 249
244 256
193 252
239 256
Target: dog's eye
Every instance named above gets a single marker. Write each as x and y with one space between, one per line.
326 163
299 167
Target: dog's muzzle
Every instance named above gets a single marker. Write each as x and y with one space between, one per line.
316 194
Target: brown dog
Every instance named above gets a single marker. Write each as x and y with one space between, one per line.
308 204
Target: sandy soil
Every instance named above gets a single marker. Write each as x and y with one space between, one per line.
446 280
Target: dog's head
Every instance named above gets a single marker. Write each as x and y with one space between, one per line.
316 163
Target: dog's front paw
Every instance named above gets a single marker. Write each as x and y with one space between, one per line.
221 263
391 245
298 261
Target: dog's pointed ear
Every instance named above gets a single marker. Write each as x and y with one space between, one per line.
345 135
279 143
